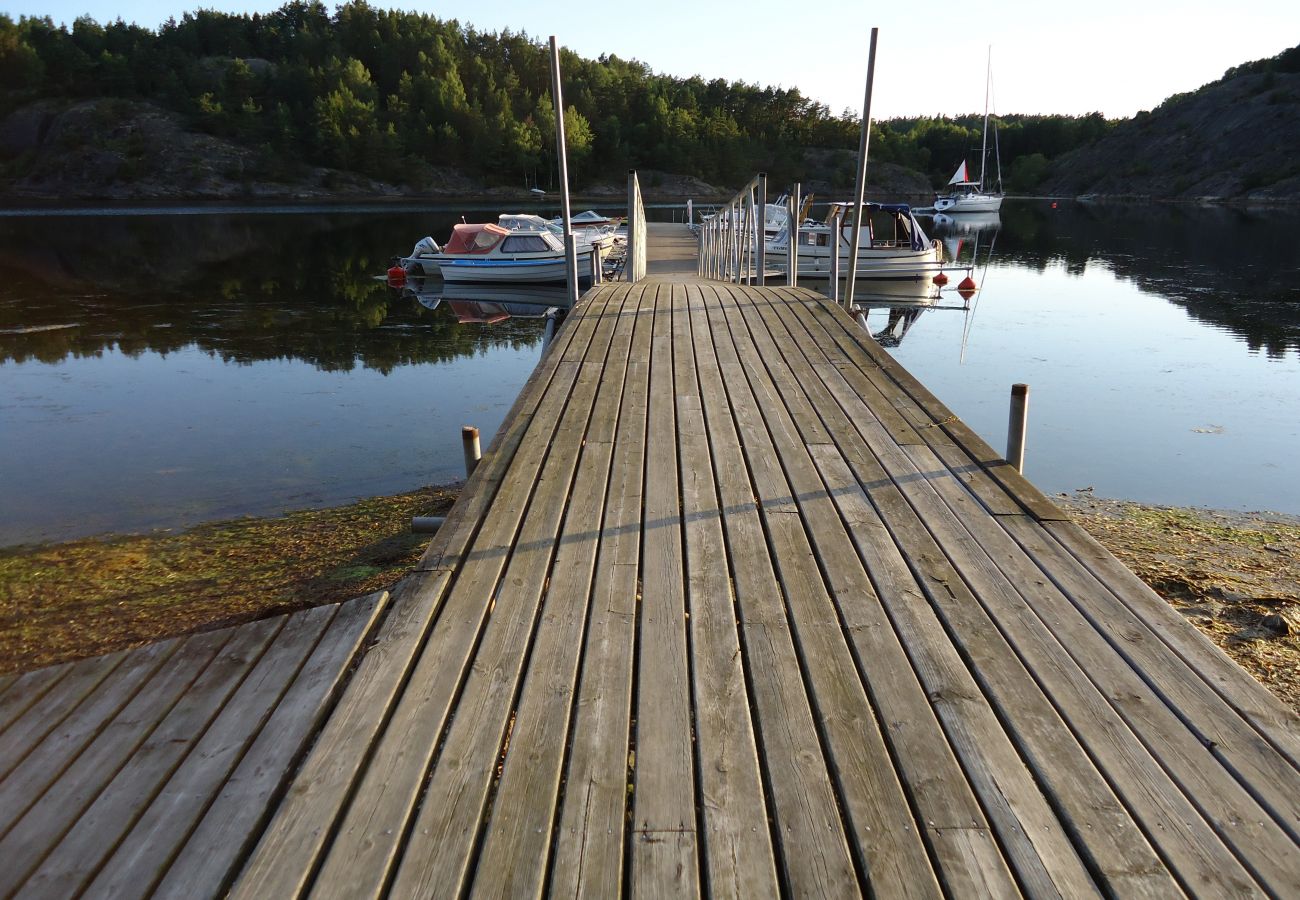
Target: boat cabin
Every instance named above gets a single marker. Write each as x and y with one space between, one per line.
480 239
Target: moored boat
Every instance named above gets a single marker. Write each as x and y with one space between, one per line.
892 246
966 195
487 252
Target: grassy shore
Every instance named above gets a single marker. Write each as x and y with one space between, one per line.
82 598
1235 576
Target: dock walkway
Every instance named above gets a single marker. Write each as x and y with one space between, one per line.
734 606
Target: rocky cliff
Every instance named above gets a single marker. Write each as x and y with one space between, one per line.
1234 140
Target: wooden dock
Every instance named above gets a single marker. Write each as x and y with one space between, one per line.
733 606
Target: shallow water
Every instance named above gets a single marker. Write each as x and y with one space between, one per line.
161 368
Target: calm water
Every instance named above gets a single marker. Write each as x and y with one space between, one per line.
171 367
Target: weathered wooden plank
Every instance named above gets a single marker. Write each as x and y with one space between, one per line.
62 700
101 826
484 606
588 859
23 787
927 411
1264 772
445 549
44 825
206 864
287 854
1018 588
1094 816
963 847
24 690
880 612
142 857
812 847
665 843
884 828
1265 712
558 537
740 861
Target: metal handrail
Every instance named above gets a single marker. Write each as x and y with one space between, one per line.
731 243
634 261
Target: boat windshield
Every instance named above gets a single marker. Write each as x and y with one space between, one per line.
475 238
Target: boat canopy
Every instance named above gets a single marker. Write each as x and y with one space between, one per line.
475 238
901 212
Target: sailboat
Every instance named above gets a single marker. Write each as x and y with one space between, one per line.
966 195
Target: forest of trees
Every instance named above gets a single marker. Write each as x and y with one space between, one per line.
386 93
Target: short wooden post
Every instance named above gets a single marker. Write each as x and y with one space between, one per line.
469 441
1016 426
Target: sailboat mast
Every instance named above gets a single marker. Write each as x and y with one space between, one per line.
984 148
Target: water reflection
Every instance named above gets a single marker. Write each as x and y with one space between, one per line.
245 288
160 370
1234 269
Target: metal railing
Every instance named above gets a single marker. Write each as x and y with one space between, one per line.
634 263
731 240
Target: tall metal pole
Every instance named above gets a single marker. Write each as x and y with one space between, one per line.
570 248
792 237
835 258
760 232
984 147
860 191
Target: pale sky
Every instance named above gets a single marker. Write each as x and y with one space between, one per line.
1112 56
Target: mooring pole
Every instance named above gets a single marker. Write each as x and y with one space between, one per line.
792 248
469 441
761 232
834 247
859 192
570 248
1016 423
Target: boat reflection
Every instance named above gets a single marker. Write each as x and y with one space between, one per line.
489 304
966 223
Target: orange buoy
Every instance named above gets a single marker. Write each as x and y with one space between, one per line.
396 276
966 288
1053 204
940 279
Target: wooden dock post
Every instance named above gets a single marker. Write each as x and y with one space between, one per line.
1016 426
469 441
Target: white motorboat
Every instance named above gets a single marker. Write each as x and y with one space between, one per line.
582 236
487 252
892 246
966 195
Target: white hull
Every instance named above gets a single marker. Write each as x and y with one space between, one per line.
968 203
510 271
876 264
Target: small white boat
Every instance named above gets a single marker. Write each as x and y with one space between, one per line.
487 252
583 237
892 246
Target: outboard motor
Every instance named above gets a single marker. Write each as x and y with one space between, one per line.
426 246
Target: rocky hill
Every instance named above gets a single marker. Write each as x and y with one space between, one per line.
116 150
1233 140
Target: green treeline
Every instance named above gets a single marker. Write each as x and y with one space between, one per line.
389 93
